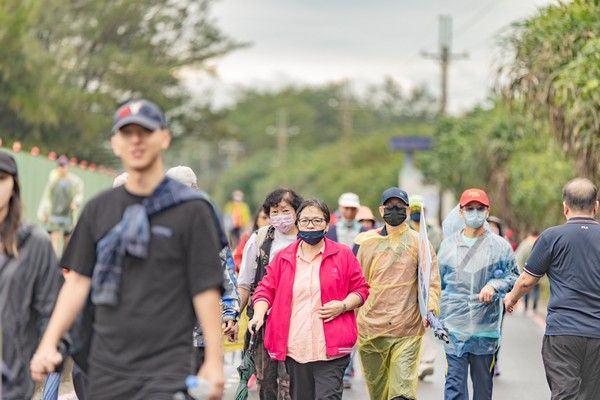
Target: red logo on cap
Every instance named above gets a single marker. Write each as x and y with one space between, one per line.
123 112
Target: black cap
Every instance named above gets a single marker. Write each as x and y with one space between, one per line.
8 164
140 112
394 192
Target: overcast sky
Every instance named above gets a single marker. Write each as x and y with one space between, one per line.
315 41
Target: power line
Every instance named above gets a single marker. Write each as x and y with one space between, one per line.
477 17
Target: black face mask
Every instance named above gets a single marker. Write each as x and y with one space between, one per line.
394 216
311 237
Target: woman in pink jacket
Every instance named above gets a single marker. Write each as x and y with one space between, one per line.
310 290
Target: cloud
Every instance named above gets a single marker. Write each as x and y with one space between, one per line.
315 41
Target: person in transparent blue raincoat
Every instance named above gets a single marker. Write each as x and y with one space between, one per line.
477 268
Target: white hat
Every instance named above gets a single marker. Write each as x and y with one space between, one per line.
183 174
349 200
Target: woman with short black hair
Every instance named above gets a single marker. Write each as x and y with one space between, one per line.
311 289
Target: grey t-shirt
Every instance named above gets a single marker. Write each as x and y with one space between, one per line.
570 255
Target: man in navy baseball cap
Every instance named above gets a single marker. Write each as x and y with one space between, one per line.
148 254
140 112
394 192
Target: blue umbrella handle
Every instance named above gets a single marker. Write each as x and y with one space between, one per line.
53 381
439 330
51 386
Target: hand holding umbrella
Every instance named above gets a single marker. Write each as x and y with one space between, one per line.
439 330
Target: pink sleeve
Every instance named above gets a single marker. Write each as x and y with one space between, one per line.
267 286
358 283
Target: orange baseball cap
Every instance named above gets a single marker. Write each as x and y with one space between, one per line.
474 194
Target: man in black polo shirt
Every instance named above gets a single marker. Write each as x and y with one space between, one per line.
570 255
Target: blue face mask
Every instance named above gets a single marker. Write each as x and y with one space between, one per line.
311 237
474 219
415 217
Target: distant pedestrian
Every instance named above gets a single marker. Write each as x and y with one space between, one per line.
390 326
236 215
569 255
476 267
230 298
311 288
496 225
521 255
260 219
29 284
344 231
365 217
60 202
346 227
417 207
148 254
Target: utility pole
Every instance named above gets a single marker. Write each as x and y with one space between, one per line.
282 132
346 111
444 57
344 104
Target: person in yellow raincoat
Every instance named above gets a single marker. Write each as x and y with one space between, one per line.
390 326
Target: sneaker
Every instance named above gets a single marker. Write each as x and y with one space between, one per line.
425 370
496 370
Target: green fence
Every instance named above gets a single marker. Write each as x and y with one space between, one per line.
33 176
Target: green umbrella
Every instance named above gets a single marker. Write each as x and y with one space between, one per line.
246 370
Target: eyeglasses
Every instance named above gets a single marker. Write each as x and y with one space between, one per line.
304 222
472 208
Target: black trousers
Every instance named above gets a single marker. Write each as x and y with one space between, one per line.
110 385
572 364
319 380
79 381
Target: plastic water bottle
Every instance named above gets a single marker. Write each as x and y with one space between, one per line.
198 388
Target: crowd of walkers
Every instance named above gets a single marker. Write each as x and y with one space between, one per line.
150 281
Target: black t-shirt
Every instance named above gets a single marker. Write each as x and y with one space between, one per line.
570 255
149 333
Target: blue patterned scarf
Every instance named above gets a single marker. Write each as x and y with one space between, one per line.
132 236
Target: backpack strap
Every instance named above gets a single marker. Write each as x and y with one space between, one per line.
471 252
264 242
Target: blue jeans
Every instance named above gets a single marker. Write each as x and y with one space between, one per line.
535 296
482 372
349 371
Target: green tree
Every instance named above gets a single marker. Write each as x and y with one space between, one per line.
518 164
553 73
66 64
316 172
318 111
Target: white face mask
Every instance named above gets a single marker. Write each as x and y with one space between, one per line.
283 223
